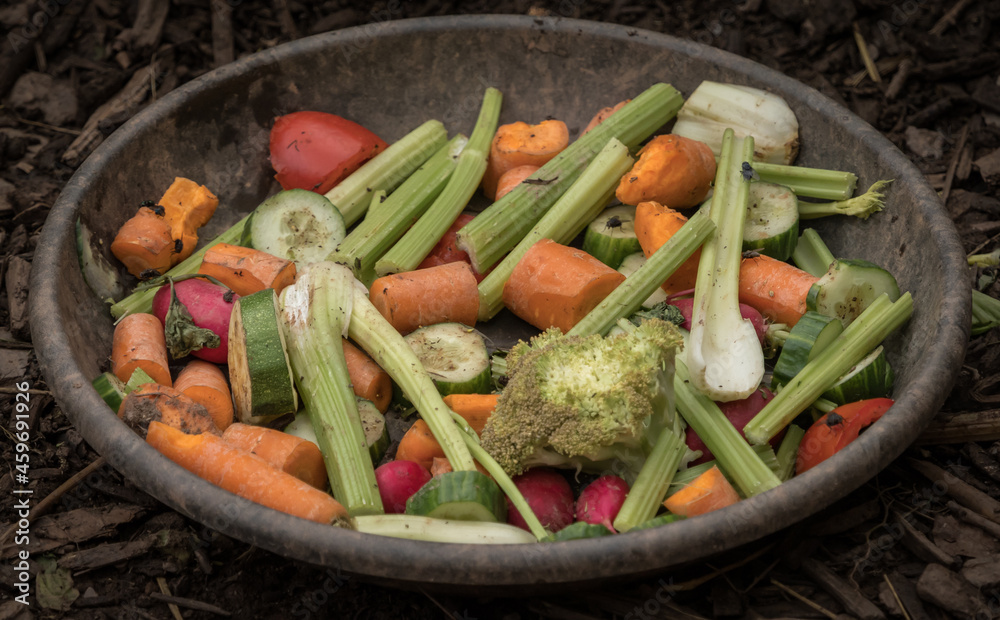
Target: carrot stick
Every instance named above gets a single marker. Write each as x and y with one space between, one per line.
144 242
439 294
672 170
187 207
517 144
654 225
244 474
474 408
554 285
152 402
367 378
511 178
709 491
603 114
418 443
206 384
289 453
777 289
139 342
246 270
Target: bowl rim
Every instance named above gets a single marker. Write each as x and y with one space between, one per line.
409 562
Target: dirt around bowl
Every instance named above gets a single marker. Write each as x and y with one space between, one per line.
390 77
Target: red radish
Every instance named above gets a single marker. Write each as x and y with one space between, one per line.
210 306
686 306
739 412
397 481
549 496
601 500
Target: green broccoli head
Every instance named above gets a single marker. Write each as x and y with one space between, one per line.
584 402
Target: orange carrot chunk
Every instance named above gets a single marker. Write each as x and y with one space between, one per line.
187 207
245 474
139 342
517 144
206 384
293 455
246 270
368 379
418 443
655 224
709 491
144 242
777 289
603 115
152 402
672 170
474 408
512 178
441 294
554 285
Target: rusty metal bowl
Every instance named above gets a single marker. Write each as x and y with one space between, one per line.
390 77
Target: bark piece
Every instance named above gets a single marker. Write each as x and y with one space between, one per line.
16 282
846 594
105 555
950 592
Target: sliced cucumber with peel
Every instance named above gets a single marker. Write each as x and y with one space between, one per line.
455 356
807 339
772 223
372 423
296 224
872 377
629 265
111 389
611 236
259 372
459 495
848 287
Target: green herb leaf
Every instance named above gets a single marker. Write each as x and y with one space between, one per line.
182 335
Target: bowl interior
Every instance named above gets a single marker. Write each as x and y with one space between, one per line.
390 77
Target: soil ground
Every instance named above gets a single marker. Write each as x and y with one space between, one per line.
895 547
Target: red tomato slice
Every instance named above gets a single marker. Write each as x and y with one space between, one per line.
316 150
832 432
446 250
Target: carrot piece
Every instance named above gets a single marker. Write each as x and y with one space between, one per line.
603 115
152 402
654 225
144 242
245 270
187 207
418 443
439 294
440 465
554 285
512 178
206 384
368 379
139 342
474 408
777 289
517 144
672 170
289 453
245 474
709 491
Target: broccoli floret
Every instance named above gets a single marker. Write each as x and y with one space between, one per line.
592 403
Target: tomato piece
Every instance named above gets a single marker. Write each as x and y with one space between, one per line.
832 432
316 150
446 250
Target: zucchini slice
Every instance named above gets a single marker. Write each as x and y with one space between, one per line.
629 265
455 356
611 236
259 372
372 423
772 222
296 224
872 377
98 273
459 495
813 333
847 288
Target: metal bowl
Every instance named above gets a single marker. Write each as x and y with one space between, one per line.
390 77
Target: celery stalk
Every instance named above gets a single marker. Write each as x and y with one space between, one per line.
685 476
985 312
811 253
567 218
789 450
142 301
369 329
417 242
655 476
629 295
991 259
860 206
500 226
809 182
315 311
879 319
386 170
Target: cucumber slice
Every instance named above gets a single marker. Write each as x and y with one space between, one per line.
111 389
459 495
658 521
813 333
847 288
577 531
611 236
772 222
259 372
629 265
296 224
455 356
872 377
98 273
372 422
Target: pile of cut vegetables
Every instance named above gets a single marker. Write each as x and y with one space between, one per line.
697 344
